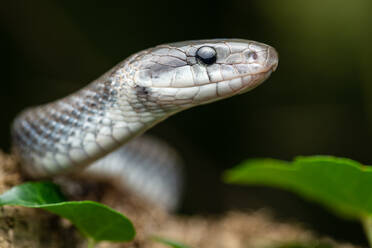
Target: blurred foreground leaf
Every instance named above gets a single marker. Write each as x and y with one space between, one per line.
341 184
94 220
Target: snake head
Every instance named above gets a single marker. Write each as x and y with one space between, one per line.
185 74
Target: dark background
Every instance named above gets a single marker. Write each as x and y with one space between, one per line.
319 101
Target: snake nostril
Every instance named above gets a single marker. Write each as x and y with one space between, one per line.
251 56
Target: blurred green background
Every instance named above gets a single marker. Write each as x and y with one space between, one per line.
319 101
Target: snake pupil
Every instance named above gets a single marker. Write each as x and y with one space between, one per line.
207 55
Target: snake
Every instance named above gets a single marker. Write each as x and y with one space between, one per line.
109 115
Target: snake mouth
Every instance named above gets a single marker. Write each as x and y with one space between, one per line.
240 85
256 80
212 91
264 73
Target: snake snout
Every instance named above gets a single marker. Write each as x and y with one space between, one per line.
272 59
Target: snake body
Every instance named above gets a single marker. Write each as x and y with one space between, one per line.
144 89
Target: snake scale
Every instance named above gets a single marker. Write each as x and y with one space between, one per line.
73 132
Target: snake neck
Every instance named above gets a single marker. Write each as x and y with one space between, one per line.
79 129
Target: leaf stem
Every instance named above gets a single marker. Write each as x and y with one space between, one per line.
367 224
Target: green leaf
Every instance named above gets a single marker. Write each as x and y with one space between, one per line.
341 184
169 242
94 220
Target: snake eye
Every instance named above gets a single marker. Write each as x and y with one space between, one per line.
207 55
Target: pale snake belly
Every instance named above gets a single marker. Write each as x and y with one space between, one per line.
81 129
